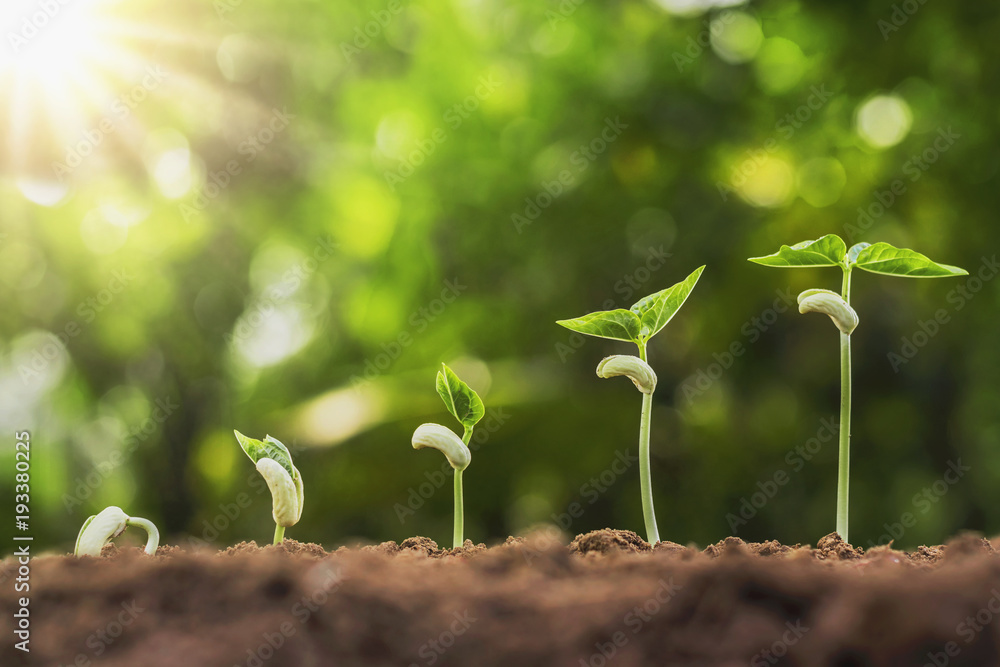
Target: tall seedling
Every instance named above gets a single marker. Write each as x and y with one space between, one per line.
637 325
875 258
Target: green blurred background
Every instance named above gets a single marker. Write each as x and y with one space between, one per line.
281 217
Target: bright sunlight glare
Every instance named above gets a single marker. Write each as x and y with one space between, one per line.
48 39
76 81
61 62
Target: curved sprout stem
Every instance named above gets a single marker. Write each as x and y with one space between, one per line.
153 535
279 534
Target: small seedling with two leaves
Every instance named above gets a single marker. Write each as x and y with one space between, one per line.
637 325
274 463
465 405
881 258
111 522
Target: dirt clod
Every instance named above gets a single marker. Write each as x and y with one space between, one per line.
609 540
833 547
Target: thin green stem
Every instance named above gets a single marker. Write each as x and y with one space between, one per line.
844 468
459 537
279 534
152 534
645 485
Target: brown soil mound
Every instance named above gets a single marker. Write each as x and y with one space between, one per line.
607 599
607 541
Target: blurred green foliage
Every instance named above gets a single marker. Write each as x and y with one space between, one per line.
303 220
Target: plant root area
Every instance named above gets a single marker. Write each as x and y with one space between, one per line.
608 598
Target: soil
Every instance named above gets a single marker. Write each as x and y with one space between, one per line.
608 598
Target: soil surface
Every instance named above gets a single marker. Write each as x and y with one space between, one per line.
609 598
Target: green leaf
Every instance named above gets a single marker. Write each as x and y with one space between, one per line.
827 251
891 261
655 310
269 448
618 324
461 401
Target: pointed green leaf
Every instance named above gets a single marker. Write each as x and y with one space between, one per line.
655 310
269 448
827 251
891 261
618 324
461 401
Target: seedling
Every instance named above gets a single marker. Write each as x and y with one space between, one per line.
101 528
466 406
274 463
880 258
637 325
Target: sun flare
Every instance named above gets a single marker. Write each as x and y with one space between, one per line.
49 63
51 41
63 65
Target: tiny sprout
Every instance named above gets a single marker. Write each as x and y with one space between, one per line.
882 258
637 325
466 406
111 522
274 464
